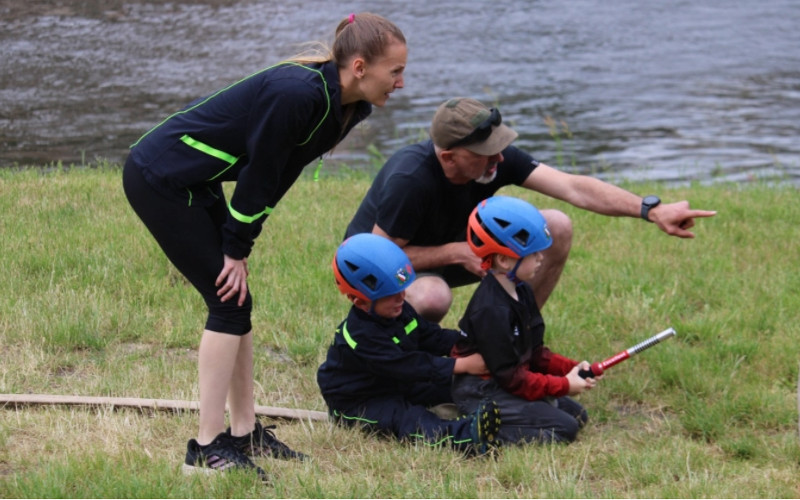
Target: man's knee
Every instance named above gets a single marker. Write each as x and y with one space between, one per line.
560 227
431 297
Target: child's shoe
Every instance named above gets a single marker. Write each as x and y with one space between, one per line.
485 426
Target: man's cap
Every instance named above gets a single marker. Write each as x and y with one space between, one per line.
461 117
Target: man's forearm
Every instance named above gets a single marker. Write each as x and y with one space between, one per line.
431 257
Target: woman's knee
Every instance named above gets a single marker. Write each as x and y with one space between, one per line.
228 317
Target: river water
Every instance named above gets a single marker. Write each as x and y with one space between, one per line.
672 90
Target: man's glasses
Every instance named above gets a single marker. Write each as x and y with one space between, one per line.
482 131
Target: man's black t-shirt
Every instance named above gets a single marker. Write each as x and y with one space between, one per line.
412 199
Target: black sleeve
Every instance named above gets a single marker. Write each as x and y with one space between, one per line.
436 340
277 121
384 358
516 167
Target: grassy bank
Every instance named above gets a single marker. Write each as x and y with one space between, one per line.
90 306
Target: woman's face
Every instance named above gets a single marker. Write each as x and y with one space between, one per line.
384 74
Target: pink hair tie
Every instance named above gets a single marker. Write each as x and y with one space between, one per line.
351 18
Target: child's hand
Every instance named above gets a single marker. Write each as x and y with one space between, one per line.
578 384
472 364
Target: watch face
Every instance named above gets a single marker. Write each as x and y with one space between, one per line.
651 200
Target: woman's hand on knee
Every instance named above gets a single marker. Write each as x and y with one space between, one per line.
232 280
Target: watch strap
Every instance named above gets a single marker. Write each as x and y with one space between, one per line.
648 203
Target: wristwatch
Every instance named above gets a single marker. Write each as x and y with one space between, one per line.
649 202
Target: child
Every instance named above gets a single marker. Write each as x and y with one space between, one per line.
503 323
386 364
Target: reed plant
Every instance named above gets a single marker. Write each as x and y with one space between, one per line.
90 306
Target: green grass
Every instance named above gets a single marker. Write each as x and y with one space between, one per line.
90 306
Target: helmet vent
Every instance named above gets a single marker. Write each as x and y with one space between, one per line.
350 266
522 237
370 281
502 223
476 240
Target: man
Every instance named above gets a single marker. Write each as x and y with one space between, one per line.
421 200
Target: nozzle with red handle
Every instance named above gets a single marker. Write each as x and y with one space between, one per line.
598 368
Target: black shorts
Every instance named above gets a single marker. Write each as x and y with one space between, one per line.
191 238
454 275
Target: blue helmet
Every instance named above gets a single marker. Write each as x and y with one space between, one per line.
371 267
508 226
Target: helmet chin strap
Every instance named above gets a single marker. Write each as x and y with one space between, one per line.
372 312
512 274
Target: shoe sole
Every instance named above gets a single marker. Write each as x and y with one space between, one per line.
489 425
191 470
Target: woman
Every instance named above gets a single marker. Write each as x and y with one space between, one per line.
259 132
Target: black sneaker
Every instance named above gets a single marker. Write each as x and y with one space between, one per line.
219 455
485 426
263 443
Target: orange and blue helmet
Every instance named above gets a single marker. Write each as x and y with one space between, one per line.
508 226
371 267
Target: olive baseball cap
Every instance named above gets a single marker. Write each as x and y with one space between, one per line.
465 122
